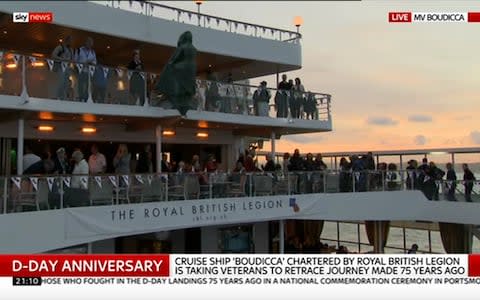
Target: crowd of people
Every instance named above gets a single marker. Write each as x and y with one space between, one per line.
86 61
290 99
356 173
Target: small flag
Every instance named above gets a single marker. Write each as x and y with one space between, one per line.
64 66
150 178
98 180
91 69
80 68
66 181
16 180
113 179
125 179
139 178
32 59
105 72
16 57
50 181
50 64
84 181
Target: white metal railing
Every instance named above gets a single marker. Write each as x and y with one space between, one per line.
157 10
32 192
40 77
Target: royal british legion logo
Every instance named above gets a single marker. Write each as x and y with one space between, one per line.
294 205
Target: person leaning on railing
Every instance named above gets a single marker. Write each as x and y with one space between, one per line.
261 97
85 56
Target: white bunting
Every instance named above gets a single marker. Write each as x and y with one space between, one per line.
113 180
245 26
84 181
98 180
32 59
139 178
153 76
105 72
179 14
125 179
357 175
271 31
64 66
208 20
91 69
16 180
150 178
50 64
50 181
263 30
66 181
208 84
80 67
142 74
119 72
16 57
129 74
34 181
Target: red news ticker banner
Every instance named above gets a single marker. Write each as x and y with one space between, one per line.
474 265
406 17
66 265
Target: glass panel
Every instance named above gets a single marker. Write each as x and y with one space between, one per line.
11 74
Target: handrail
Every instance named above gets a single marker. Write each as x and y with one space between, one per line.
148 8
63 191
212 95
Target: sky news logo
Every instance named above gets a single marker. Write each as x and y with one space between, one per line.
434 17
32 17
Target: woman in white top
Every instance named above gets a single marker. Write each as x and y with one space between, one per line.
298 94
80 168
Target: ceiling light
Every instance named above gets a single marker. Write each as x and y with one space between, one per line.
202 135
11 66
45 128
89 129
168 132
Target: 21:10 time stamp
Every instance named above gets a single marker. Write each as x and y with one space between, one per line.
27 281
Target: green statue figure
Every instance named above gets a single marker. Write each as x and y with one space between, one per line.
177 81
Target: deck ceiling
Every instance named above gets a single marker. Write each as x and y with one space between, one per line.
144 123
42 38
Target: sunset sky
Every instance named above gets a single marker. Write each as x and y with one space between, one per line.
394 86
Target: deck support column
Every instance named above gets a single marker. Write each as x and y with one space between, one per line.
20 141
158 140
272 137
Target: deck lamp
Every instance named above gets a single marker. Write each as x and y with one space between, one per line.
298 21
198 2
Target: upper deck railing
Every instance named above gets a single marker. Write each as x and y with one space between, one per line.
40 77
43 192
170 13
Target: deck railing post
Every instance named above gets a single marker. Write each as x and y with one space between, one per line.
5 194
89 99
24 93
61 192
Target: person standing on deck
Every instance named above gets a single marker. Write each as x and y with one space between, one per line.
468 179
85 57
451 184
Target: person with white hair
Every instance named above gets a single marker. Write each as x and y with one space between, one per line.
80 168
